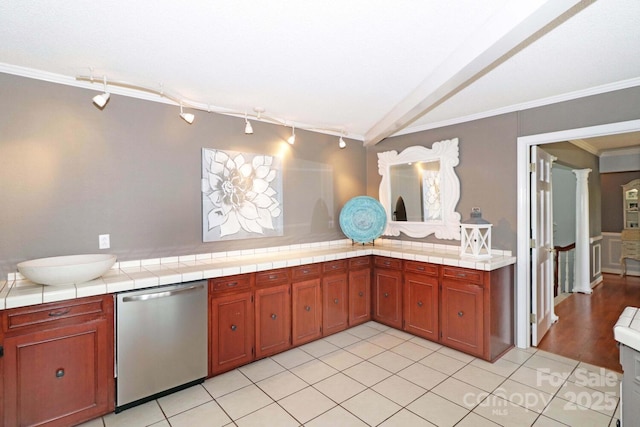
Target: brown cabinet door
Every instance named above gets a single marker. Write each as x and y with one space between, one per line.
335 304
273 320
359 296
421 305
231 332
462 316
307 311
387 295
59 376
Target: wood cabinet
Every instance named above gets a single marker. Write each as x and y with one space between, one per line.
232 331
273 320
462 316
306 311
476 310
421 300
387 291
359 290
231 324
335 297
58 362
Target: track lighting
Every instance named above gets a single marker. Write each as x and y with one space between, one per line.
292 138
248 129
341 142
187 117
134 90
102 99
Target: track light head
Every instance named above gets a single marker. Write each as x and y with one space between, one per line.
292 139
248 129
341 143
187 117
102 99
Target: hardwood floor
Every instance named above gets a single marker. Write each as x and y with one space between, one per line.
585 329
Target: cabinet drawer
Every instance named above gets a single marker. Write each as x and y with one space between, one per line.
334 266
465 274
272 277
359 262
421 267
242 281
305 271
45 314
384 262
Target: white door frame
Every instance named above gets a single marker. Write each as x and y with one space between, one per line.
523 272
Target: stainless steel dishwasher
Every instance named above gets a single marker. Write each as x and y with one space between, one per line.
161 341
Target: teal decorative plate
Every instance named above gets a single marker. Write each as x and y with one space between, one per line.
363 219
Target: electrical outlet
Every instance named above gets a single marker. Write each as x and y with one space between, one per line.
104 242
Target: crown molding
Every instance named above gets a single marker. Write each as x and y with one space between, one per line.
581 143
596 90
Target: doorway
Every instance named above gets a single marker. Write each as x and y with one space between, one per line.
523 263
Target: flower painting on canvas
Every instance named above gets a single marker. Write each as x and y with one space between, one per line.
241 195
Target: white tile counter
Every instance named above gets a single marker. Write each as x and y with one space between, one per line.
127 275
627 329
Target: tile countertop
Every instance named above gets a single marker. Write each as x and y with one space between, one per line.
627 329
127 275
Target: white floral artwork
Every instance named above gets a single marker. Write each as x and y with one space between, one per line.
241 195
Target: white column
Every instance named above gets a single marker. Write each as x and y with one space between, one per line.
582 278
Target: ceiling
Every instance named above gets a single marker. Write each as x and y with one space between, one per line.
367 69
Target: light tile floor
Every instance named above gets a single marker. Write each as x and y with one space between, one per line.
372 375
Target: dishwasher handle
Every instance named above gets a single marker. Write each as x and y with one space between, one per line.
164 294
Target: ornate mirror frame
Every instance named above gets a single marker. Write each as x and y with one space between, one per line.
446 152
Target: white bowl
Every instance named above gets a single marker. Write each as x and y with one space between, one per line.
66 270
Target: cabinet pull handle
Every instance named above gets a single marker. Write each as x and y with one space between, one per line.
335 301
234 327
232 284
59 312
273 276
334 266
461 275
59 373
460 313
307 307
420 268
305 271
360 294
274 316
386 294
387 263
419 303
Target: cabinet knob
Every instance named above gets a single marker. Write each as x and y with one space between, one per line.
360 294
234 327
386 294
274 316
335 301
460 313
419 303
60 373
307 307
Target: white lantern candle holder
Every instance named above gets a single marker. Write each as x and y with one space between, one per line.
475 236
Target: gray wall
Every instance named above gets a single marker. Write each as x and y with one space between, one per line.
70 172
488 147
576 158
612 218
487 171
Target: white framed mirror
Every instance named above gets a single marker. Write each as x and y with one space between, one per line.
420 190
